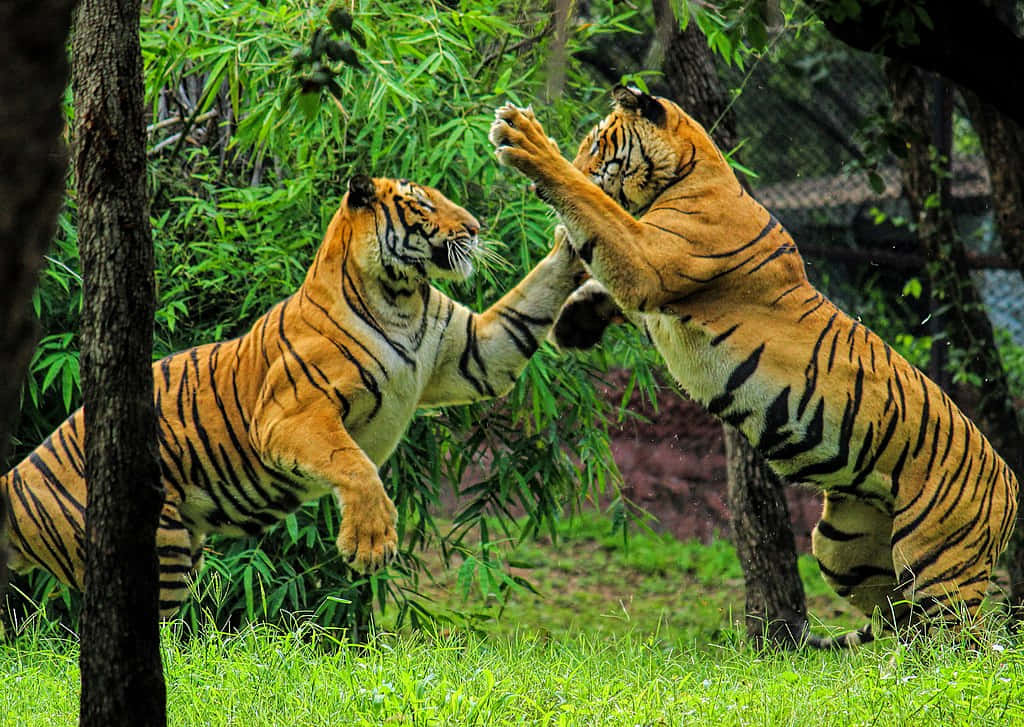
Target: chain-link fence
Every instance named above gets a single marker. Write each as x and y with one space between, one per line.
805 144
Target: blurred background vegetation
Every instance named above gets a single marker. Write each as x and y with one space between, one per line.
259 114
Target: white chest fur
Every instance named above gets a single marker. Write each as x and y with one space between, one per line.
686 353
378 420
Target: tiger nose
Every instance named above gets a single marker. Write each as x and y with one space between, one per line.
472 226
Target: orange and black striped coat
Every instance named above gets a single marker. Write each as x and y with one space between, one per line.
315 397
918 505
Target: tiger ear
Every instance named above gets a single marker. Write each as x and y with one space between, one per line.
633 99
361 191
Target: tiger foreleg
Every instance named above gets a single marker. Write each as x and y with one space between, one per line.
584 317
483 354
617 249
313 445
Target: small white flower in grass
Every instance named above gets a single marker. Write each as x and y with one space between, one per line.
706 683
998 648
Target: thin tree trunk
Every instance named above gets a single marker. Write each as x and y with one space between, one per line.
33 161
966 323
122 677
1003 143
776 609
1002 140
558 56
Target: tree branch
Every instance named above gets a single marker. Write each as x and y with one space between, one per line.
967 43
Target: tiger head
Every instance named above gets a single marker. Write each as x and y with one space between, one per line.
646 144
409 231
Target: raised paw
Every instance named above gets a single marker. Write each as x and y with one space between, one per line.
520 142
585 316
368 538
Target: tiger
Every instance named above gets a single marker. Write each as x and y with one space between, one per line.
917 503
314 398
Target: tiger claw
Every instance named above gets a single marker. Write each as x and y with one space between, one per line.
368 538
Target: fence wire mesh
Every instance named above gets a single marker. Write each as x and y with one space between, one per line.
804 144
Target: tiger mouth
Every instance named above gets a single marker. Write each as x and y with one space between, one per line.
455 254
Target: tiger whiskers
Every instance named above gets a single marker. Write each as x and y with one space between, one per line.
487 255
460 255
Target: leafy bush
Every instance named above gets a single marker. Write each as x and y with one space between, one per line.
244 178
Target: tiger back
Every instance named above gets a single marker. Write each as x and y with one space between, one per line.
314 398
918 505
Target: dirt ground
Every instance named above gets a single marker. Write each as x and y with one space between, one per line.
673 466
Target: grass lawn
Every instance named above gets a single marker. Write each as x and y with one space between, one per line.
644 635
268 677
591 581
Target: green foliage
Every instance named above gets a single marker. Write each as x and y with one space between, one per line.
264 676
244 177
592 577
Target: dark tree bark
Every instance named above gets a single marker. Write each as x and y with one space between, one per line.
966 323
33 161
1003 143
967 43
776 609
122 677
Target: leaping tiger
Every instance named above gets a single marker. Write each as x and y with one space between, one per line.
315 397
918 505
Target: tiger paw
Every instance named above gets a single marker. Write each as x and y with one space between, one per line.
520 142
368 537
584 317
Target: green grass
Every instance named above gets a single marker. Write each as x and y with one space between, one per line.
268 677
641 634
592 581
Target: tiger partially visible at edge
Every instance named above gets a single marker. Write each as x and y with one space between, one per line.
314 398
918 505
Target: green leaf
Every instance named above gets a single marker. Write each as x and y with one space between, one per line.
876 182
913 288
309 104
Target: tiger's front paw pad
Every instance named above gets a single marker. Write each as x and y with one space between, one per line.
368 538
584 317
519 139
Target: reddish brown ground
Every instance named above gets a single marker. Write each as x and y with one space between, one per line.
673 465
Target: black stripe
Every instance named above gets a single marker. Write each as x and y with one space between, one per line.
745 370
784 249
856 575
811 372
775 418
831 532
769 226
724 335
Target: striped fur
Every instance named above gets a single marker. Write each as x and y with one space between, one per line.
918 505
315 397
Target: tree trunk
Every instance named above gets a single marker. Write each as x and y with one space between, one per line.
33 162
963 41
775 605
1002 140
965 321
1003 143
776 611
122 678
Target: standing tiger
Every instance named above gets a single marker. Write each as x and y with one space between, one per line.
315 397
918 505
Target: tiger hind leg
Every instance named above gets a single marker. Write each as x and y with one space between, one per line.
943 575
179 554
852 545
